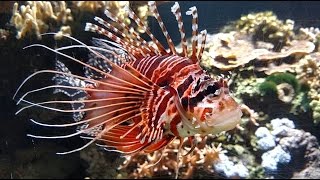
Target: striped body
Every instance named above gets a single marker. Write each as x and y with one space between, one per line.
137 96
167 71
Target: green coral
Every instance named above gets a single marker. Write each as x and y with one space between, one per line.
269 87
289 78
301 103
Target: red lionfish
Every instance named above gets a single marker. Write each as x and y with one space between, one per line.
138 96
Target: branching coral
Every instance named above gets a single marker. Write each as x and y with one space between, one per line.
205 156
42 16
36 15
265 26
92 6
311 34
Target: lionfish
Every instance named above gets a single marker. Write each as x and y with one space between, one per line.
136 95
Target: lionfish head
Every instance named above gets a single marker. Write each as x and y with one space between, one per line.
211 107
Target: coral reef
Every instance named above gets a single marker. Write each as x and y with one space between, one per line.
117 8
227 51
311 34
205 157
308 73
287 145
274 158
262 72
37 17
264 26
230 170
285 86
252 46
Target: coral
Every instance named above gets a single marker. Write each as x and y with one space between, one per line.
286 92
281 126
308 71
311 34
92 6
230 170
275 157
315 104
285 86
311 169
204 157
288 78
295 47
273 68
42 16
291 145
265 26
36 15
227 51
268 88
266 140
259 39
247 86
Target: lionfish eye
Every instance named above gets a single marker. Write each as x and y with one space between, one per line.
210 89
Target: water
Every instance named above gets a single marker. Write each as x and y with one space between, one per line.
256 154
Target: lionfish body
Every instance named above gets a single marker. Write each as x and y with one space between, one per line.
138 96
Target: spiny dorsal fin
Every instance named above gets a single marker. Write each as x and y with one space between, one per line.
137 47
203 43
133 16
175 9
153 8
140 41
193 11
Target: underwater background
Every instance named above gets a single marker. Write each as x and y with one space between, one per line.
271 50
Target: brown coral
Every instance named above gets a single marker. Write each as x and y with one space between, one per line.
229 51
285 92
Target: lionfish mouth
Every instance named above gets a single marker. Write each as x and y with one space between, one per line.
225 120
